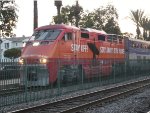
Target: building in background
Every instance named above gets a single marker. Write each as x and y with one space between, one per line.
8 43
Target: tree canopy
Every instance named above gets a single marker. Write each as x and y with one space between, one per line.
103 18
8 17
69 15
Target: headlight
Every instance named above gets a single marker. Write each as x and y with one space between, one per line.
21 61
43 60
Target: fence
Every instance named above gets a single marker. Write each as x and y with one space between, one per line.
28 82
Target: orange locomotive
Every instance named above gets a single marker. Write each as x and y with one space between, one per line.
68 51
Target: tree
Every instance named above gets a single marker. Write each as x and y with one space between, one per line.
148 30
69 14
104 14
136 16
64 15
112 27
103 18
12 53
87 20
8 17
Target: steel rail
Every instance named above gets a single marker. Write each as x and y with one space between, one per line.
11 91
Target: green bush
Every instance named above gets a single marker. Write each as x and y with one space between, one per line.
12 53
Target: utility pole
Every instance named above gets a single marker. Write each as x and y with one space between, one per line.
0 19
0 29
35 20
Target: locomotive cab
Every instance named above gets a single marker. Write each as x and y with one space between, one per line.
42 51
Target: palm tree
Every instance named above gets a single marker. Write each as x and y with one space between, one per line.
136 17
144 24
148 29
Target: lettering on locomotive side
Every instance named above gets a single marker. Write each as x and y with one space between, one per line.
84 48
111 50
81 48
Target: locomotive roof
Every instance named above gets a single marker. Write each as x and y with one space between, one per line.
93 30
113 34
119 36
57 26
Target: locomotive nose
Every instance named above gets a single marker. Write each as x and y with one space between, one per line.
34 75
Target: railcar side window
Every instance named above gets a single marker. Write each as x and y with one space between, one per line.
115 39
101 37
84 35
110 39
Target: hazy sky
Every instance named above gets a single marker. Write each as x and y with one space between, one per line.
46 10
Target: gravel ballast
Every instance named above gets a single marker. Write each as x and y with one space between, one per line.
137 103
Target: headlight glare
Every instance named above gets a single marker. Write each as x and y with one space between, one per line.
21 61
43 60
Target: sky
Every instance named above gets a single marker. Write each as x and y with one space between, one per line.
46 10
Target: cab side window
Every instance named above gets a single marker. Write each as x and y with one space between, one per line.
67 36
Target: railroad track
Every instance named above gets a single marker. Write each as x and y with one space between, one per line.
11 91
20 89
81 102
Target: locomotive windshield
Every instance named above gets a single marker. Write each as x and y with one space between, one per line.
45 35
